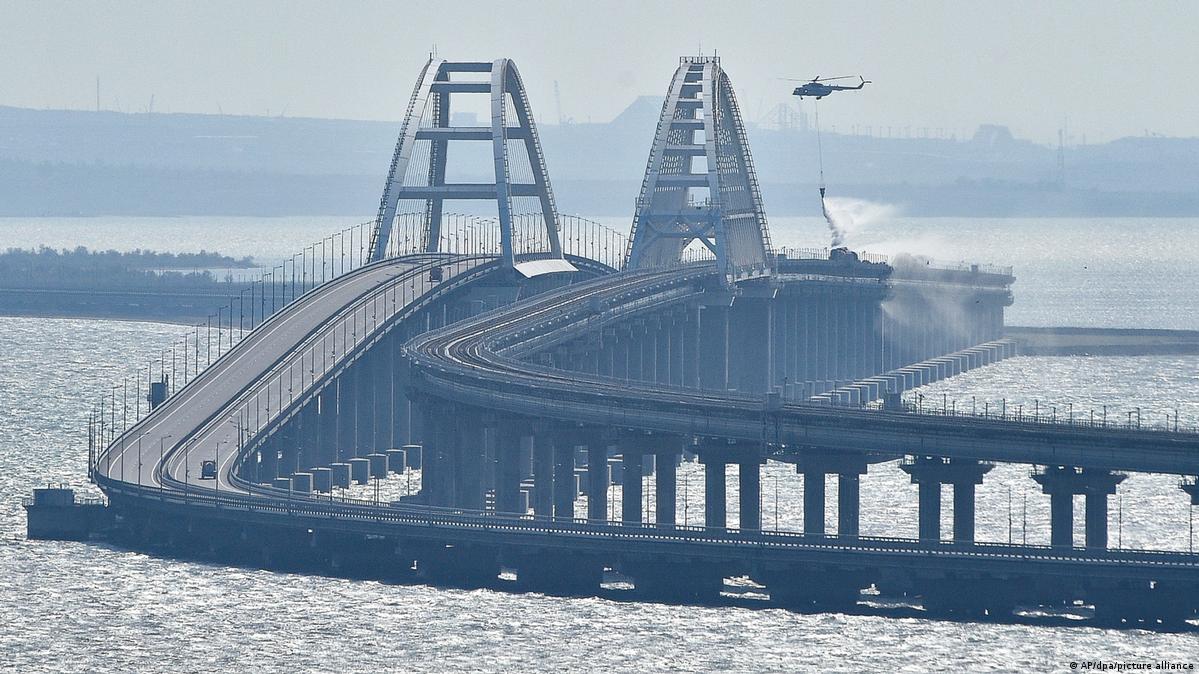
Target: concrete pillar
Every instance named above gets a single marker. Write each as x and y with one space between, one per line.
780 342
322 447
715 505
508 473
662 328
714 347
364 407
637 351
543 475
750 473
813 502
649 334
749 344
1061 519
606 352
689 355
677 320
929 473
1062 483
963 511
1096 520
344 413
849 506
620 354
930 510
564 476
468 459
597 480
665 488
631 492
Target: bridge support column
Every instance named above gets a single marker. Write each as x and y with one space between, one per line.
750 332
663 327
689 352
325 448
665 488
631 462
469 459
508 473
564 475
291 449
607 352
1062 483
849 505
543 475
597 480
715 454
815 465
715 506
345 413
813 502
714 347
750 480
677 335
641 353
621 348
929 473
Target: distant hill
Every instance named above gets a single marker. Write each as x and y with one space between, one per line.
55 162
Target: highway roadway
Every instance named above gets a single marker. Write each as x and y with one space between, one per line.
261 375
480 362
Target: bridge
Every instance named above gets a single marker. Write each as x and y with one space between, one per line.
518 362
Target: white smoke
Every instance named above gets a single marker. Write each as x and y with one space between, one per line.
847 216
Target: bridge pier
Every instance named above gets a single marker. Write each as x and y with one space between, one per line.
1062 483
543 475
715 497
929 473
666 485
713 345
632 465
621 348
716 454
814 466
345 413
564 474
750 480
597 479
750 330
469 459
508 473
689 351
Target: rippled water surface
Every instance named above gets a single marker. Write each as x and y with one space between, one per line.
82 607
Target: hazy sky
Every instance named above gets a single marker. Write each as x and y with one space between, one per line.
1111 69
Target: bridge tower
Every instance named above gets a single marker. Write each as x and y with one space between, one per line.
700 183
418 167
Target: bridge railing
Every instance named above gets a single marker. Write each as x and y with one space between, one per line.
1039 414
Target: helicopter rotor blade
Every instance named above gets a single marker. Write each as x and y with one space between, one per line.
830 79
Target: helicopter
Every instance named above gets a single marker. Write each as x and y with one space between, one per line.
817 87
